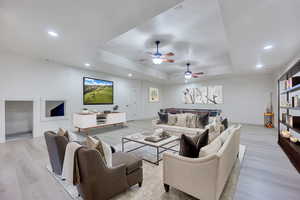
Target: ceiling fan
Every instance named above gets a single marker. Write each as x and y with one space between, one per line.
158 58
189 74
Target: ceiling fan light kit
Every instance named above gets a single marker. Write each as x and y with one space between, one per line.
188 75
157 60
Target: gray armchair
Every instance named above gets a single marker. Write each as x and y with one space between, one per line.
97 182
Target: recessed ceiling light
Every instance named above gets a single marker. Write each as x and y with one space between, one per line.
268 47
87 64
52 33
130 75
259 66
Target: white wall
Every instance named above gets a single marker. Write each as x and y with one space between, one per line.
22 77
245 98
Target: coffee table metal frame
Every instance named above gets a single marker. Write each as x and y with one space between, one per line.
157 147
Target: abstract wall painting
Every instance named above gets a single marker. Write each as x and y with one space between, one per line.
203 95
215 94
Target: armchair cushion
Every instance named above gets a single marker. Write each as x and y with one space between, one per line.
131 161
190 146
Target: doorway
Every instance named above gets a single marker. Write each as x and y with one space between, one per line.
131 106
18 120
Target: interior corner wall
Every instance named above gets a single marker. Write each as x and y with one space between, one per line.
245 98
27 78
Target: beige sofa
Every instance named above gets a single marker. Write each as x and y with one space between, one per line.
205 177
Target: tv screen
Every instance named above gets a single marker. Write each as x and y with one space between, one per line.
97 91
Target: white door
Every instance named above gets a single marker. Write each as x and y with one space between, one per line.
131 106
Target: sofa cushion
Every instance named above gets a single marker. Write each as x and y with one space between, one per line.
181 120
211 148
163 117
190 146
103 148
172 119
131 161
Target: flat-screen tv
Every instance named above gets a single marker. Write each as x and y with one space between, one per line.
96 91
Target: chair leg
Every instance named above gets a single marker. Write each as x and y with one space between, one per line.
140 183
167 187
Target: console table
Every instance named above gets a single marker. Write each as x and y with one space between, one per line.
85 121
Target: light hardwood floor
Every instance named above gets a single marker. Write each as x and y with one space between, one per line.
266 172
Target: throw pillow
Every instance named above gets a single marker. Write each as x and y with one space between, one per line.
63 132
103 148
172 118
203 119
163 117
191 120
225 123
181 120
224 135
190 146
212 148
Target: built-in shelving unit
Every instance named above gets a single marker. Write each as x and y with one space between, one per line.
297 87
291 149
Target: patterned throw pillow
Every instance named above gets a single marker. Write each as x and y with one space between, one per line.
103 148
181 120
172 119
191 120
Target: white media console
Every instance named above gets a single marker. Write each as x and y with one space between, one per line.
84 121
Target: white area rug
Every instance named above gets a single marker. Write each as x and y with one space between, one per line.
153 186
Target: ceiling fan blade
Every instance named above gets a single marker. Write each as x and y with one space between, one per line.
168 60
143 60
169 54
199 73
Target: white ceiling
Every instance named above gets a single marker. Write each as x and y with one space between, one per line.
219 37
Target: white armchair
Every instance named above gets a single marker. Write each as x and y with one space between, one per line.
205 177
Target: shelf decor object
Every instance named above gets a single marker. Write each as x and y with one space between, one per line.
269 120
288 86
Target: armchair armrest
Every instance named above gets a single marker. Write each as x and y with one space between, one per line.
195 176
116 178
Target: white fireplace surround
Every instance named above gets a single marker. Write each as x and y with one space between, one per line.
43 109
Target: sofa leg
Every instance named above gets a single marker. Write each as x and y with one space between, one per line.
167 187
140 184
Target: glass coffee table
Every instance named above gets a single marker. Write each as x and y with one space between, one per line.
164 145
